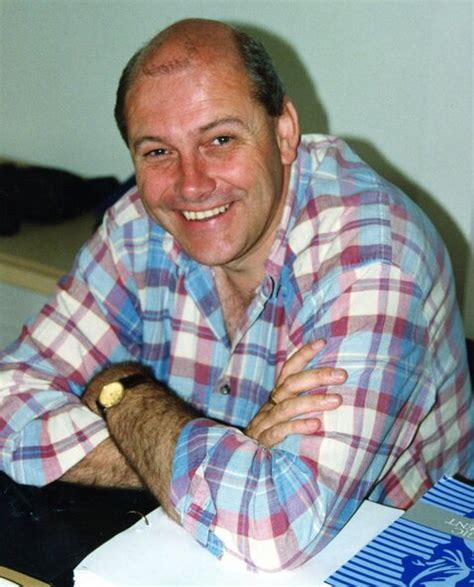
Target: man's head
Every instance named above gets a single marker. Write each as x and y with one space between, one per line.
211 156
267 86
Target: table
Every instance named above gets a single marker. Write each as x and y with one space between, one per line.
163 553
39 254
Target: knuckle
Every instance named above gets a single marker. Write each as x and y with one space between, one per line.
320 400
284 408
282 380
322 375
273 435
289 382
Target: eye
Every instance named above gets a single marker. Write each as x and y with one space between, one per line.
222 140
156 152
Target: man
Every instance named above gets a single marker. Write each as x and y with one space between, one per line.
196 318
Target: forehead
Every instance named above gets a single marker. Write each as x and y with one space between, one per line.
210 51
212 47
183 82
187 43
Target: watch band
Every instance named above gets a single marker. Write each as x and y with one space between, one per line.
130 381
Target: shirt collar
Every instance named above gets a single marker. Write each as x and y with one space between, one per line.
296 188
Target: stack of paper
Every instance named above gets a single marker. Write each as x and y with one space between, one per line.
162 553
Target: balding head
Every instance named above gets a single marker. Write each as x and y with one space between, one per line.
191 41
184 43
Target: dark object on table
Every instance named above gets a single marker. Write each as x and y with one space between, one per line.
46 532
44 194
9 213
470 358
111 198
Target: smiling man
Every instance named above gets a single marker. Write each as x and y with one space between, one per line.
191 348
212 165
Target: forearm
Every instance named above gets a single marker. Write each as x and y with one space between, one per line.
146 427
105 466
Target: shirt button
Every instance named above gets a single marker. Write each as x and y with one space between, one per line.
225 389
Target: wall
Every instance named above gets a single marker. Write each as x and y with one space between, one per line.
27 303
392 77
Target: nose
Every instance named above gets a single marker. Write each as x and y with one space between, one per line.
194 181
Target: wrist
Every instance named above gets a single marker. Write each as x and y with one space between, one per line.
113 393
119 377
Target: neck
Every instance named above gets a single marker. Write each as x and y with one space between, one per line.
237 282
235 292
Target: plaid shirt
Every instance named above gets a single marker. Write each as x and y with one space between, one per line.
354 262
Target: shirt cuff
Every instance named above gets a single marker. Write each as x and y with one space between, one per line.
190 493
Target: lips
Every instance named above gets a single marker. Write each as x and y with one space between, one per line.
205 214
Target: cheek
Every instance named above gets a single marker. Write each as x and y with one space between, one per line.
151 187
247 173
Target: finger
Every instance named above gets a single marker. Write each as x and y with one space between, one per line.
292 408
307 381
300 359
272 436
295 407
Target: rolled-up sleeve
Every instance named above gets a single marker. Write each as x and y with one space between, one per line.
90 322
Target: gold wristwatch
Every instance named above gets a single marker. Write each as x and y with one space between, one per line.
113 393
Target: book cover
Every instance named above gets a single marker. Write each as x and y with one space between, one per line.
431 545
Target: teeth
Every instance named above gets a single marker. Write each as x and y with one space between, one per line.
205 214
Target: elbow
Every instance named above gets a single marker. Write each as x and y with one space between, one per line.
267 550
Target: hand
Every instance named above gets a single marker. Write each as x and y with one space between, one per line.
277 418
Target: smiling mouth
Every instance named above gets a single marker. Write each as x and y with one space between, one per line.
205 214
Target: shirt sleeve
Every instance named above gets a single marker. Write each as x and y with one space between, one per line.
276 508
90 322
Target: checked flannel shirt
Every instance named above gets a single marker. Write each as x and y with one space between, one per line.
354 262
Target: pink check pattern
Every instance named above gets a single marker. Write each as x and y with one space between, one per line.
355 263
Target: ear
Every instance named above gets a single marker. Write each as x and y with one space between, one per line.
288 133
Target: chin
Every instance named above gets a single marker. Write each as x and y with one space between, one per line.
212 258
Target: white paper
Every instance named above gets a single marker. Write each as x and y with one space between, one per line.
162 553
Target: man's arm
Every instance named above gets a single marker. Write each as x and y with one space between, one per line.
104 466
146 424
92 320
144 428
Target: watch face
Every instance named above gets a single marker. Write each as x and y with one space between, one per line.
111 394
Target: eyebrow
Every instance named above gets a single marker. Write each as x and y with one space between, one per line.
206 128
230 120
146 139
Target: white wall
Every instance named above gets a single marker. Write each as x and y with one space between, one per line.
27 303
393 77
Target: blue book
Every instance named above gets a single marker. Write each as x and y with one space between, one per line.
431 545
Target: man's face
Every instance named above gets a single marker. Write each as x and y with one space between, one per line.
211 164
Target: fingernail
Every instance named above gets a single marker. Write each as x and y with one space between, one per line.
338 374
317 344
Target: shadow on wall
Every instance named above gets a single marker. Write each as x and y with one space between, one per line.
313 118
297 81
